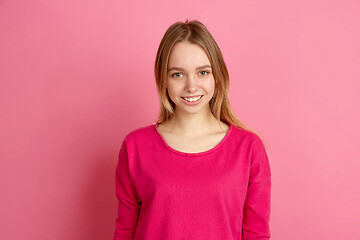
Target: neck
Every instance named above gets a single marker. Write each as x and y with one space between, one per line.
193 124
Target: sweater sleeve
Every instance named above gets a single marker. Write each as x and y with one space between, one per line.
129 202
256 211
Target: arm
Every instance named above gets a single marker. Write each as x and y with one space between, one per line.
129 202
257 203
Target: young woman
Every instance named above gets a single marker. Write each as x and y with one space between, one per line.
197 172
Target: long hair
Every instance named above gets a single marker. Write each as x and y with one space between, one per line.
196 33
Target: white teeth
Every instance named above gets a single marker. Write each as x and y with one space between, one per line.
192 99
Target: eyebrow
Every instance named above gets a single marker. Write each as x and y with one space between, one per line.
178 68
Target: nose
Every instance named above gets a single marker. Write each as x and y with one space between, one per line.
190 85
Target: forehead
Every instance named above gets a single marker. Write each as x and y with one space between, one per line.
187 55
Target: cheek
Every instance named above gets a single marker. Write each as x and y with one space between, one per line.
172 91
174 88
210 86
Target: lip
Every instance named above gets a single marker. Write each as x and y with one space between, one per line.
192 96
193 103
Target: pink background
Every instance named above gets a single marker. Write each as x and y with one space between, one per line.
76 76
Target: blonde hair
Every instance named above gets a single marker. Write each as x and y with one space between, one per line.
196 33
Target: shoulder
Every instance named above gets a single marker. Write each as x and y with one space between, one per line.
139 134
246 140
254 146
245 136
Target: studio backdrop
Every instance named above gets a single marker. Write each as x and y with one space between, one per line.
77 76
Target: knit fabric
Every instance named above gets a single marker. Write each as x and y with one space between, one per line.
219 194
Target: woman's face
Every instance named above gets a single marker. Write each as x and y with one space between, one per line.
189 74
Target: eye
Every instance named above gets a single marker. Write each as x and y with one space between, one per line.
175 74
204 72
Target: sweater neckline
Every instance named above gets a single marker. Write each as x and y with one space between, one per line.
155 125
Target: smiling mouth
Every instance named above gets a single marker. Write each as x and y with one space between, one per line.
195 98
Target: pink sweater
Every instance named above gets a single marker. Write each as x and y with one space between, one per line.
219 194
